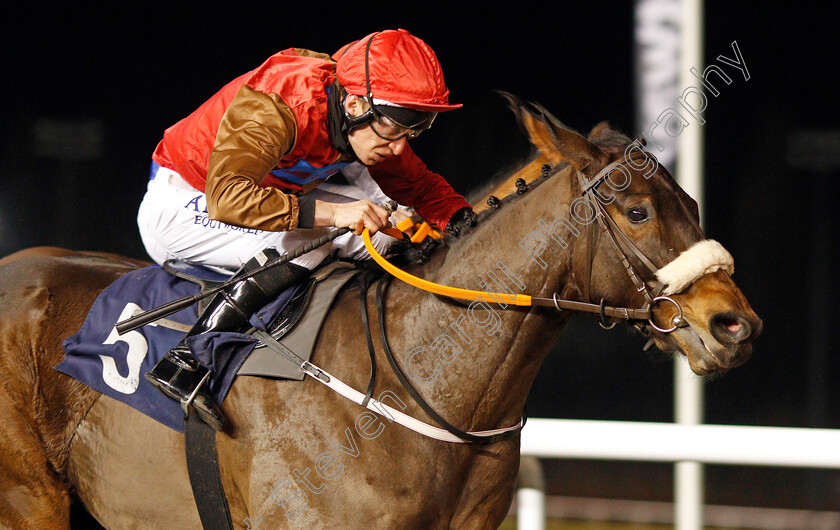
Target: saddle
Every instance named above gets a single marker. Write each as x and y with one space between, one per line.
113 364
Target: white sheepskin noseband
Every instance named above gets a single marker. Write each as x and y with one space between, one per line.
702 258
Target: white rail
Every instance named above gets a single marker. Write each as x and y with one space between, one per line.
688 390
669 442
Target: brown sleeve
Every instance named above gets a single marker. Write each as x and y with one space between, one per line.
303 52
256 131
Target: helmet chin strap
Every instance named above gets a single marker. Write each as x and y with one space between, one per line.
337 120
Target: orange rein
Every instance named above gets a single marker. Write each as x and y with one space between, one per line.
420 283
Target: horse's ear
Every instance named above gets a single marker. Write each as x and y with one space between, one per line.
555 141
600 131
538 131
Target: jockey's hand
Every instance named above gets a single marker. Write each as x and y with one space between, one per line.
461 220
400 215
354 215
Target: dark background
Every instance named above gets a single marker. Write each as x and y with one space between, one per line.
88 93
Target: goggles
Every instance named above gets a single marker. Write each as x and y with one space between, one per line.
393 123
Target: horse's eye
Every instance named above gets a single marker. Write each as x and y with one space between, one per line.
637 215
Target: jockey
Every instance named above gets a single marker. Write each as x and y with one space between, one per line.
238 179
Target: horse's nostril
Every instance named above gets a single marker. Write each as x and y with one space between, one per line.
730 328
732 325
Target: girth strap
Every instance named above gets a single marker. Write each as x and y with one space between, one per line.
404 419
368 402
205 475
278 347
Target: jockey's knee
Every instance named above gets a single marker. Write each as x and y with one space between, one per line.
353 247
312 259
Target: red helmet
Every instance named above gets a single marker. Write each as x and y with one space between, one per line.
394 66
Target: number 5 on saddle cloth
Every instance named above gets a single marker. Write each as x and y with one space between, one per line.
113 364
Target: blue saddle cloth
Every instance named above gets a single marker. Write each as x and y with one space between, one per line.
114 364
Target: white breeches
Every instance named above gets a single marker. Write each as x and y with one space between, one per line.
174 223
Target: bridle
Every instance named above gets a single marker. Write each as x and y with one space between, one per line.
625 248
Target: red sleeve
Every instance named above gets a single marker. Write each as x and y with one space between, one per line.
407 180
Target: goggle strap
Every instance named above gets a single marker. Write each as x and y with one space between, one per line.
367 70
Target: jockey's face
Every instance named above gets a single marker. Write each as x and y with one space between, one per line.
369 147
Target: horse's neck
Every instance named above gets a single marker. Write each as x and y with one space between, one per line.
480 360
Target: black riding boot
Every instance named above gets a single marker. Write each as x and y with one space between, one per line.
179 375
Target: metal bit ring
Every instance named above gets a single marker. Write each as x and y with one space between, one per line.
676 320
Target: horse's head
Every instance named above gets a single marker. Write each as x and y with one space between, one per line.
638 243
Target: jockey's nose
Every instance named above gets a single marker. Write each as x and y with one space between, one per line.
397 146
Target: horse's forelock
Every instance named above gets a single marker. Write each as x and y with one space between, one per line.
615 144
609 140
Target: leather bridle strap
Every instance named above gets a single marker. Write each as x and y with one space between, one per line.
364 284
622 244
499 298
589 189
590 233
464 435
624 313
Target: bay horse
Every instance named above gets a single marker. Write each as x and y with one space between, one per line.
302 456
